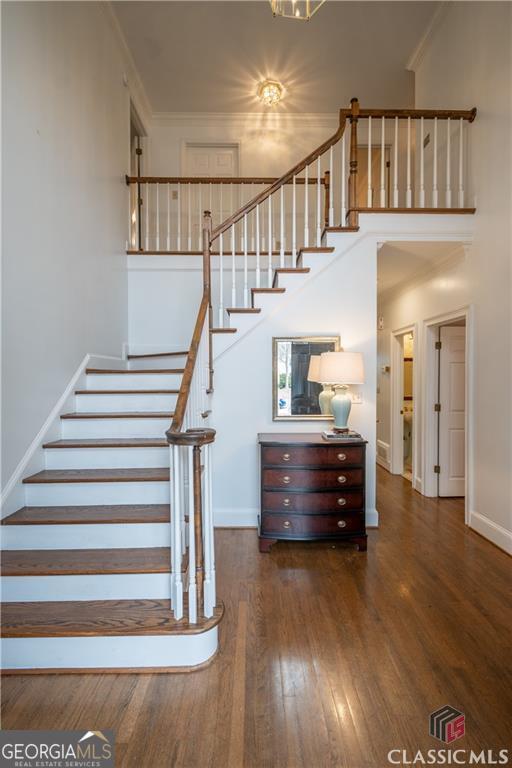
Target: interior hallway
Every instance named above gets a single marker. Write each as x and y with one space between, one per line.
329 657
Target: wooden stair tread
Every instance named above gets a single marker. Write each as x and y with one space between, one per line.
268 290
126 391
67 562
317 249
243 310
115 371
84 515
223 330
118 415
85 618
110 442
157 354
142 475
341 229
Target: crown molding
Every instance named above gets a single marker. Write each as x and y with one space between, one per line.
133 79
263 119
425 43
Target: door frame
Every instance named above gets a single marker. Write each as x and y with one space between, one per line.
198 143
397 402
431 368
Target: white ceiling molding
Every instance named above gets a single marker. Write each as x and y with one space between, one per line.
240 119
426 41
133 79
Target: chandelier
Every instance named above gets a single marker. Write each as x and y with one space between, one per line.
270 92
295 9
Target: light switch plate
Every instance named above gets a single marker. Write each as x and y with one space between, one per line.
357 400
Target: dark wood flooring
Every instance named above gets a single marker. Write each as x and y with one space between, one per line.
329 657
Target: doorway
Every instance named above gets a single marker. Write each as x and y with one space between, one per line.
404 436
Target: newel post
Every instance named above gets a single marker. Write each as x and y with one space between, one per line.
207 288
353 218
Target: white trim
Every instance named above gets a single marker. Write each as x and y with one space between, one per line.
491 531
382 458
372 518
425 43
397 397
242 119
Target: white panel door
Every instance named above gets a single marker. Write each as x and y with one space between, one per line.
211 160
452 418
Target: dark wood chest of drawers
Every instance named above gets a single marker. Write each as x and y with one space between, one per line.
311 489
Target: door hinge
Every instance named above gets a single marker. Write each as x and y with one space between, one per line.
437 407
438 345
138 151
437 469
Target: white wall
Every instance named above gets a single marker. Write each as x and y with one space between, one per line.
65 151
466 63
242 405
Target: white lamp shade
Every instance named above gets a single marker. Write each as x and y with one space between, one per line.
314 368
341 368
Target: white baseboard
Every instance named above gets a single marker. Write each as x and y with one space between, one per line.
383 463
417 484
13 494
372 518
235 517
492 531
382 455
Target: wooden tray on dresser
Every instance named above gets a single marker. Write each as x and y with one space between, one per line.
311 489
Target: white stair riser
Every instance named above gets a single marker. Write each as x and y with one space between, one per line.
91 428
88 536
61 494
266 302
123 403
108 652
134 381
105 458
119 586
243 322
176 361
291 281
222 341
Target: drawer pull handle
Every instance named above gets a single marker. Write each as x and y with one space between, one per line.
286 457
286 502
342 456
286 524
342 502
341 524
286 479
342 479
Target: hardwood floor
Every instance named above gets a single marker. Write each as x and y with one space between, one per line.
328 658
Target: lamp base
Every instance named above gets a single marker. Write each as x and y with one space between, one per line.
341 405
324 399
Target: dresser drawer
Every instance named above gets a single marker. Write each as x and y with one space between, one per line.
328 455
311 525
312 503
312 479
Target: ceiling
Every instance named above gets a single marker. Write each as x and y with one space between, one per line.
400 263
210 56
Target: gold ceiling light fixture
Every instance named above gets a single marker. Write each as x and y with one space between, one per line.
270 92
295 9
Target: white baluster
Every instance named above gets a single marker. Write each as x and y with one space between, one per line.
422 164
257 246
281 231
253 220
395 167
448 165
269 267
192 586
189 216
176 513
408 194
318 202
200 220
294 221
233 264
331 188
168 239
157 218
383 163
146 202
435 193
178 240
369 196
306 207
461 163
343 182
246 289
221 281
210 204
209 598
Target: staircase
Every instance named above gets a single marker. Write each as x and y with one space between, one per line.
86 566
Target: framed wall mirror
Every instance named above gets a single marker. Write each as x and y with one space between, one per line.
293 396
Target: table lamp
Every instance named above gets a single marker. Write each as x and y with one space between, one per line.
327 393
342 369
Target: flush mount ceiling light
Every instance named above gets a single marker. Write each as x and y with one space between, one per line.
270 92
295 9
